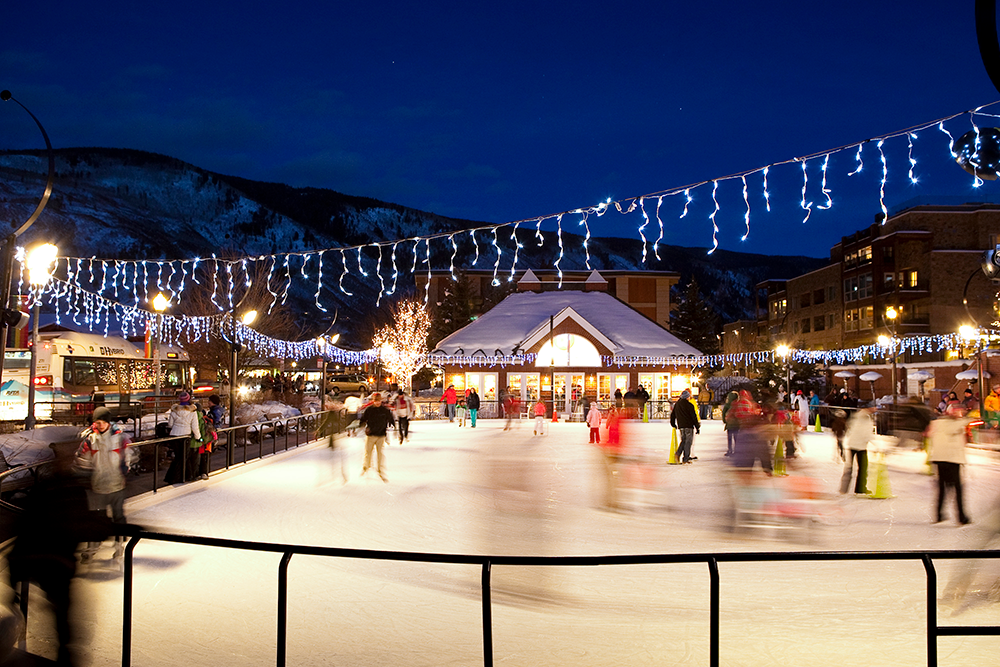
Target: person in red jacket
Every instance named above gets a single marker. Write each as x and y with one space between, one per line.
450 400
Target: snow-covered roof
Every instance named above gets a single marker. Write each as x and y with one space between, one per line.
512 322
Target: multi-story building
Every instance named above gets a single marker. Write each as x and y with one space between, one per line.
647 292
924 263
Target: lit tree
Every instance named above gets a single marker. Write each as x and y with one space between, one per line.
403 342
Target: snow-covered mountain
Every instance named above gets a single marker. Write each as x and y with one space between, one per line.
127 204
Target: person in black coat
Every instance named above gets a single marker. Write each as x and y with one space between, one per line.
684 417
376 419
55 520
472 403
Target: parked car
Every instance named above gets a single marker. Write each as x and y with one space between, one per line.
346 384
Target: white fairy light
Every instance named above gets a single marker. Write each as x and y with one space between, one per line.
517 249
475 243
910 136
454 251
559 236
319 282
538 233
805 182
687 200
746 201
645 221
822 186
378 271
881 188
715 227
496 265
656 243
395 271
767 193
361 269
858 159
586 239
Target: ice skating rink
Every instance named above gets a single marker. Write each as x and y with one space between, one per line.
486 491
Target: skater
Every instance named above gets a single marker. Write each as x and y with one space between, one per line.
405 409
685 418
376 419
104 451
53 523
859 432
946 437
450 399
730 423
539 418
460 411
801 404
594 422
472 403
183 423
838 424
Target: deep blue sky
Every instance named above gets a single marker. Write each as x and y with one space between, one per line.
504 111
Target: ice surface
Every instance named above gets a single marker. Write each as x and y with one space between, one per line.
458 490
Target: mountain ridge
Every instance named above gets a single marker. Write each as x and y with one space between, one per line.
129 204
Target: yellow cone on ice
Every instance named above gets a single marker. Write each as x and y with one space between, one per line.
883 489
779 459
672 460
819 429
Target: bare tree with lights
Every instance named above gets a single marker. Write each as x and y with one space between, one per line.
403 342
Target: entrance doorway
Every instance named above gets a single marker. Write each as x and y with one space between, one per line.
568 392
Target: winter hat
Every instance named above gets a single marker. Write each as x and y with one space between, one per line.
686 394
184 398
102 414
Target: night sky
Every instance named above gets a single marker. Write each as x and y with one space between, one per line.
508 111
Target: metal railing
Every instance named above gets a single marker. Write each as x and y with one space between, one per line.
712 560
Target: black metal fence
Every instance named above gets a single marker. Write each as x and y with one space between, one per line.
712 560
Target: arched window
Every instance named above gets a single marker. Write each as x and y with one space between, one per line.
568 350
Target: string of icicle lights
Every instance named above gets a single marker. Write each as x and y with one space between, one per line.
915 344
324 270
97 314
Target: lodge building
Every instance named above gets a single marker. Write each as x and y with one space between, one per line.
561 344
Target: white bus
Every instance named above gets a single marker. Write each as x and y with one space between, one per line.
73 367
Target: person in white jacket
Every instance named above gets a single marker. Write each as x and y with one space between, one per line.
594 422
860 430
946 438
183 423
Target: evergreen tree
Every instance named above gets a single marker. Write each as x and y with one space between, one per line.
694 321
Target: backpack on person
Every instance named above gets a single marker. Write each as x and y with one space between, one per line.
209 436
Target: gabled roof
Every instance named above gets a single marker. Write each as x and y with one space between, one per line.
523 318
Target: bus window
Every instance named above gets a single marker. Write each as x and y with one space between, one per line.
173 375
94 372
17 361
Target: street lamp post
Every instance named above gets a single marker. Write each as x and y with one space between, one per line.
160 304
247 319
968 333
783 351
322 343
39 260
892 315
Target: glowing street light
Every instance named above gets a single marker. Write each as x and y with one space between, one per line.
39 261
891 315
783 351
160 304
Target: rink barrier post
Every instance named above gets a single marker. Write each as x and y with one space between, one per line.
487 616
282 638
932 626
127 603
713 611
